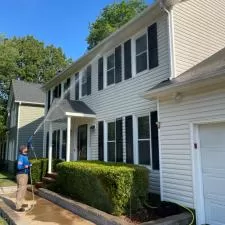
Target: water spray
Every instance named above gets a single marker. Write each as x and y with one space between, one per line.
52 108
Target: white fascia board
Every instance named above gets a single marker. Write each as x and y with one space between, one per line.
80 115
32 103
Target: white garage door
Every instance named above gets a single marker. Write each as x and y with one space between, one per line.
212 144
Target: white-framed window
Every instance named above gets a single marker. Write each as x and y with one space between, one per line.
110 69
141 53
144 140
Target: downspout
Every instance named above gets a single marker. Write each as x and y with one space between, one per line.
171 39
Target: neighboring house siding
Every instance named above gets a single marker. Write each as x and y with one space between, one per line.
175 120
126 98
199 31
30 118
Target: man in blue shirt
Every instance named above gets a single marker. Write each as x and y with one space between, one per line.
23 166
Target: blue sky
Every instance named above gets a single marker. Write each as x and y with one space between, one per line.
63 23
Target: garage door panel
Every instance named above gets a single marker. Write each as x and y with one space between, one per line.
212 155
215 213
214 187
212 148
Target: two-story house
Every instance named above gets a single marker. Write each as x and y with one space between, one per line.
106 114
25 112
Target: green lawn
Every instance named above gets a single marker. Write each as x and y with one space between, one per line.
6 180
2 221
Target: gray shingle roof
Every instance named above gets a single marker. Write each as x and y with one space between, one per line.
209 66
59 108
75 107
28 92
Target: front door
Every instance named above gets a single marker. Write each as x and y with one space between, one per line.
82 142
212 147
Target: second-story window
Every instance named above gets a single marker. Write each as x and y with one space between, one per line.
84 83
66 87
77 86
111 69
141 53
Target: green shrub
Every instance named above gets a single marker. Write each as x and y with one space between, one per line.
111 187
39 168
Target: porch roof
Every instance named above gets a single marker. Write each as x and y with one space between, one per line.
208 72
63 107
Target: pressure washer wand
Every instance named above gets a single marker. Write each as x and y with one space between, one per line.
30 146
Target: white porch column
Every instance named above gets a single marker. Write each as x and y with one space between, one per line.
50 149
60 143
68 139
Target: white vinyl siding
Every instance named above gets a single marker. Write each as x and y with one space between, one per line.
124 99
175 120
199 31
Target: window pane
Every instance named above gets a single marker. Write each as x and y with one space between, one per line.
110 77
141 44
143 127
144 152
111 151
110 62
84 89
141 62
111 131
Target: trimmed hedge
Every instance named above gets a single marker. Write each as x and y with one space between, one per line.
112 187
40 167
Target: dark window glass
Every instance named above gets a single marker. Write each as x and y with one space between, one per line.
111 151
141 54
89 80
141 44
111 131
110 77
144 152
141 62
144 140
143 127
111 69
84 83
110 62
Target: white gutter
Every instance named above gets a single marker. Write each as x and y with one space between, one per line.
32 103
171 39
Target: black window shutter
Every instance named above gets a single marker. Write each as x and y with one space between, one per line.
152 46
47 144
127 60
59 91
100 74
77 89
101 141
119 140
118 64
129 139
49 99
58 144
155 140
89 80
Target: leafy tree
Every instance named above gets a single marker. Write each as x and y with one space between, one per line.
26 59
111 18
